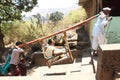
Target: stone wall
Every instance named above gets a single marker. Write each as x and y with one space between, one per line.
108 62
39 60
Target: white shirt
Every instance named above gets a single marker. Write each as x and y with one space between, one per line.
50 50
100 24
15 56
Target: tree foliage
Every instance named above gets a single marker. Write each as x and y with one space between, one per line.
39 21
78 15
35 28
56 16
11 10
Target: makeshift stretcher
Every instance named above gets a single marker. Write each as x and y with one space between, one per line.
66 56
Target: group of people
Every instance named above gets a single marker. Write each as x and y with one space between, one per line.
15 65
98 32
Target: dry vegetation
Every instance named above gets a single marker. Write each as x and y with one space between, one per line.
29 30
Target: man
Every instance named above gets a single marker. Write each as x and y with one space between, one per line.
15 59
98 33
51 52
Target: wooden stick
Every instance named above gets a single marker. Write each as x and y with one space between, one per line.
67 46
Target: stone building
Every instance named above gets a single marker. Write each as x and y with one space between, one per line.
108 59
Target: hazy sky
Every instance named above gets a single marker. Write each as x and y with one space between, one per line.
46 4
50 4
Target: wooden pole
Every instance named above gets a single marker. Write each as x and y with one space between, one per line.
67 46
62 31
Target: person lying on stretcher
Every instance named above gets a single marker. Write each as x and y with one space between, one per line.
53 53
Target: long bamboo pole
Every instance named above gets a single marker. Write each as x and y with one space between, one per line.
62 31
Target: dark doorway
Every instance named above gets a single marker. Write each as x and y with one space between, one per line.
114 5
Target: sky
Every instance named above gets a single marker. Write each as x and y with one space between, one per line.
51 4
46 4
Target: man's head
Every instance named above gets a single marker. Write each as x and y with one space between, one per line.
51 42
106 10
18 43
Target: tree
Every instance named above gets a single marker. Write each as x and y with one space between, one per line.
11 10
56 16
78 15
39 21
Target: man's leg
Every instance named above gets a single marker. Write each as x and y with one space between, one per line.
48 64
13 70
94 46
95 53
101 39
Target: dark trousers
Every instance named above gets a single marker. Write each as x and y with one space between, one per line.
13 69
23 69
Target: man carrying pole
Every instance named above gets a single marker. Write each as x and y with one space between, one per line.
98 33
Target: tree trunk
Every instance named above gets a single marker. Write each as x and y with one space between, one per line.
1 43
1 40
